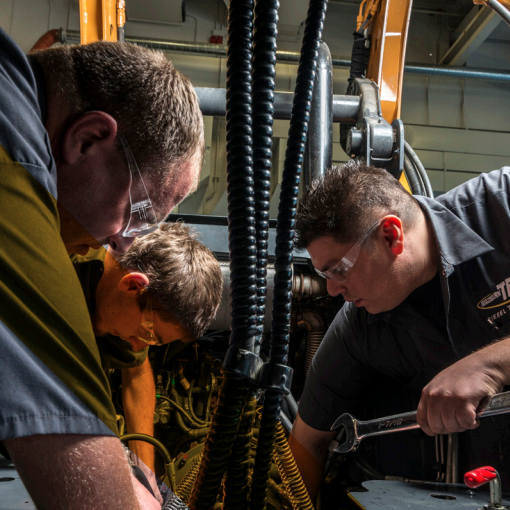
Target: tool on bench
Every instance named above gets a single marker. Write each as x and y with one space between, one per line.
356 430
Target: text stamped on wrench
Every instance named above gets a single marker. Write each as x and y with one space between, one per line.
356 430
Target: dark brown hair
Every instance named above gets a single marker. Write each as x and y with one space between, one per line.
348 200
155 106
185 278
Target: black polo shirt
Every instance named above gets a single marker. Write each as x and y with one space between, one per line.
465 307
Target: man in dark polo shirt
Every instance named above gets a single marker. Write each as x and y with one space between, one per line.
168 285
427 290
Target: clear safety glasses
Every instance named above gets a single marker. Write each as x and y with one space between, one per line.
143 218
146 331
340 272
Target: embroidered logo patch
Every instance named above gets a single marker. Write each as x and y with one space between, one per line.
498 298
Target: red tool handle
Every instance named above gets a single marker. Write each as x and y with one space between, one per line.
480 476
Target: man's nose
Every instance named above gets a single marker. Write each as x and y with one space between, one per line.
335 288
120 244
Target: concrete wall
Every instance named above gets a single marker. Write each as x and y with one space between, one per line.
459 128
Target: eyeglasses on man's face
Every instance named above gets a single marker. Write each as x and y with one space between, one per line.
142 220
146 332
341 271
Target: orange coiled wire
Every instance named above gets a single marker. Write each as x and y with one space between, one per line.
185 486
291 477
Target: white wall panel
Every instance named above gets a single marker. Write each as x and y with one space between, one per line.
436 111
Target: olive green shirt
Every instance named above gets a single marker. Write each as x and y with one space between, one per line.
115 353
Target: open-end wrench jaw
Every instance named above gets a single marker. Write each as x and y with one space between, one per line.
356 430
349 424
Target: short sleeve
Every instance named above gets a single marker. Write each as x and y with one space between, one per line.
337 378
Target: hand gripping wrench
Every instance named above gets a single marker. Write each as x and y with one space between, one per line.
356 430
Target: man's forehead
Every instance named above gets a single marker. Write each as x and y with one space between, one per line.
181 181
326 252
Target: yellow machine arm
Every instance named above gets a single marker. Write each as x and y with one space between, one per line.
100 19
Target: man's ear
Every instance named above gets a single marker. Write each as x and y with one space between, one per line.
133 282
393 231
86 133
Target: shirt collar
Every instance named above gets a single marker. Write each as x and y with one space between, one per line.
456 241
41 85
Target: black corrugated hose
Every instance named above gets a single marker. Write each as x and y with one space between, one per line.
285 241
241 213
235 493
263 76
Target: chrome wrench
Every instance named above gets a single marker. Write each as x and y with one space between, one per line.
356 431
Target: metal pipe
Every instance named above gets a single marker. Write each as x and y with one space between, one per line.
319 142
290 57
212 102
499 9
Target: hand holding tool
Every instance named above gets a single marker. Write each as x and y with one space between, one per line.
356 430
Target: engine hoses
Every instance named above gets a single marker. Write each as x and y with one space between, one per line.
285 240
236 482
263 84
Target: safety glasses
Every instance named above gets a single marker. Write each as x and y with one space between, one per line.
143 218
146 331
340 272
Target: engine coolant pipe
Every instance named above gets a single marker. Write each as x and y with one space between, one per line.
285 244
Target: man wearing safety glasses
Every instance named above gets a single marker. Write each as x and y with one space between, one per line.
166 288
427 286
98 143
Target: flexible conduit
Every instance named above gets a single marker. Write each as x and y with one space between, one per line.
263 75
285 242
263 84
242 243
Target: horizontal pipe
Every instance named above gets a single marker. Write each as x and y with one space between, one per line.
213 102
290 57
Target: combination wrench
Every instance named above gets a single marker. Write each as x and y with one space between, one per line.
356 431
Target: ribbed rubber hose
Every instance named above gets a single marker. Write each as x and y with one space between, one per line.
235 487
241 202
263 84
285 241
242 245
218 445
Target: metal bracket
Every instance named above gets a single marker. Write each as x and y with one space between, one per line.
243 363
373 139
276 377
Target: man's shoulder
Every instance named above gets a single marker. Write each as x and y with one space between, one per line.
89 269
22 130
478 189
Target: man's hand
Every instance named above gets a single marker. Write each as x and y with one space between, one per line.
450 401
